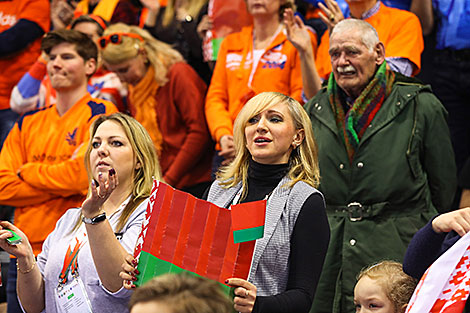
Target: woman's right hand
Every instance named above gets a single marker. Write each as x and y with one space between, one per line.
129 272
458 221
152 5
21 250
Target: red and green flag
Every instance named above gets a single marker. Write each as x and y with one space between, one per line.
181 233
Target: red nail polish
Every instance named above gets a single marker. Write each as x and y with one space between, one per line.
137 272
134 278
112 172
133 286
134 262
226 281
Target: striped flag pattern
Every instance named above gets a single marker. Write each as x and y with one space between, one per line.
181 233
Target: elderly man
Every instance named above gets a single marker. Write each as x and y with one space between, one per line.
385 158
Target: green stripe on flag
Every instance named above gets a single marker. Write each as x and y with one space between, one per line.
248 234
216 42
152 266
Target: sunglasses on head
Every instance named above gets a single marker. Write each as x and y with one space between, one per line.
116 38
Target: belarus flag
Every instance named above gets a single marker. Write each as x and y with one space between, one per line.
445 285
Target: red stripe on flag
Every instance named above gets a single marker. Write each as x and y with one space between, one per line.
201 210
211 222
162 220
219 244
228 267
148 240
245 255
248 215
173 225
184 232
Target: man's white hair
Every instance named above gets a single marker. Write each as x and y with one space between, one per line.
369 35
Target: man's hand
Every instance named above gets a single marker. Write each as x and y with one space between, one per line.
332 14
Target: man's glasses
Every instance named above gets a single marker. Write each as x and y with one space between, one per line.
116 38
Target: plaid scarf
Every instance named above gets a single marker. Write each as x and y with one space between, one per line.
355 122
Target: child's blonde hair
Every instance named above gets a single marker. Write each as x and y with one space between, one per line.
397 285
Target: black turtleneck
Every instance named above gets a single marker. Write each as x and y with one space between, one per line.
309 243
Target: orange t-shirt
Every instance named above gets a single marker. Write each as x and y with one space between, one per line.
399 30
14 66
48 151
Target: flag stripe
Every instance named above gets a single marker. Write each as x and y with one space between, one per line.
208 236
219 244
182 243
162 267
173 225
201 210
249 234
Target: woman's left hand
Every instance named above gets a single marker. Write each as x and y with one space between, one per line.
92 205
245 294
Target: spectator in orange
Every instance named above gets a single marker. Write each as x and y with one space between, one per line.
259 58
34 90
22 25
167 97
42 172
399 30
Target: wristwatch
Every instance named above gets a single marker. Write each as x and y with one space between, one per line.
94 220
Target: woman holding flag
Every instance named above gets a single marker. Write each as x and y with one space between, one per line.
276 160
78 268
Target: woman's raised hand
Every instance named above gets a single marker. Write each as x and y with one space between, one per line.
99 194
129 272
245 294
296 32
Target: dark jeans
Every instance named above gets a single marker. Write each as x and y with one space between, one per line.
13 305
451 84
7 120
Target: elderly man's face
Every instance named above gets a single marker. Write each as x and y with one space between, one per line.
353 63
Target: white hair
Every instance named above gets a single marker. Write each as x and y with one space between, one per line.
369 35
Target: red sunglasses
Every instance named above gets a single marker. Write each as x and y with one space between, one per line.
116 38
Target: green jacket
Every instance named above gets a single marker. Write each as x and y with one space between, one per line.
402 173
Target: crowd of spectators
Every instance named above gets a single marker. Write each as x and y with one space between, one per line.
383 85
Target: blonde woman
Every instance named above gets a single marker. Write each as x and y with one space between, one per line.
82 257
176 24
167 97
276 159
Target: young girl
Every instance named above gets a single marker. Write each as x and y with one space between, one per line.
383 288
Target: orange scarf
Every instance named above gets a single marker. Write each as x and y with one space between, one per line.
144 106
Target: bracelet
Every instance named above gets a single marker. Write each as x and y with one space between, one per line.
28 270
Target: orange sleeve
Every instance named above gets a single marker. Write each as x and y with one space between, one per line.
405 41
37 11
65 178
218 117
322 59
14 191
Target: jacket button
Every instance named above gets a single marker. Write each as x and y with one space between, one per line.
352 242
341 166
408 95
319 108
398 103
316 105
360 165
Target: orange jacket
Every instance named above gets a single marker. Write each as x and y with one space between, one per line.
399 30
15 65
232 85
46 150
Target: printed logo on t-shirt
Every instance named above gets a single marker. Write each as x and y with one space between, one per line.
72 137
7 19
233 60
274 58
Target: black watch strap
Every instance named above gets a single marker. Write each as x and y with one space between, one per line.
94 220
